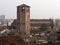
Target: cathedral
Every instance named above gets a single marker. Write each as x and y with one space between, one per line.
25 25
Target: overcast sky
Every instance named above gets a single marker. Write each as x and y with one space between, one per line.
39 8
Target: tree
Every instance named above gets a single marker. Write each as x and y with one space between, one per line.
50 42
52 24
43 27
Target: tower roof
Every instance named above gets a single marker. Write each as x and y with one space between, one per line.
23 5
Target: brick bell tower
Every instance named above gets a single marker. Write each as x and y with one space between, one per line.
23 19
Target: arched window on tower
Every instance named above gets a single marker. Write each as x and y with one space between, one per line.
27 9
23 9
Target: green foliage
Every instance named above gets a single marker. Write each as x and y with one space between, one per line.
43 27
50 42
52 24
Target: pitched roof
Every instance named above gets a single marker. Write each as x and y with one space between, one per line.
40 21
23 5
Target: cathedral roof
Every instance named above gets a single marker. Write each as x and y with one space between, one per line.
40 20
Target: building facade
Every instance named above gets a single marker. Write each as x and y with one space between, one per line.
25 24
23 19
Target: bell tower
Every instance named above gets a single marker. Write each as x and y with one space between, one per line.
23 19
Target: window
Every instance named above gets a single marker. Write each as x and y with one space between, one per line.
27 9
23 9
